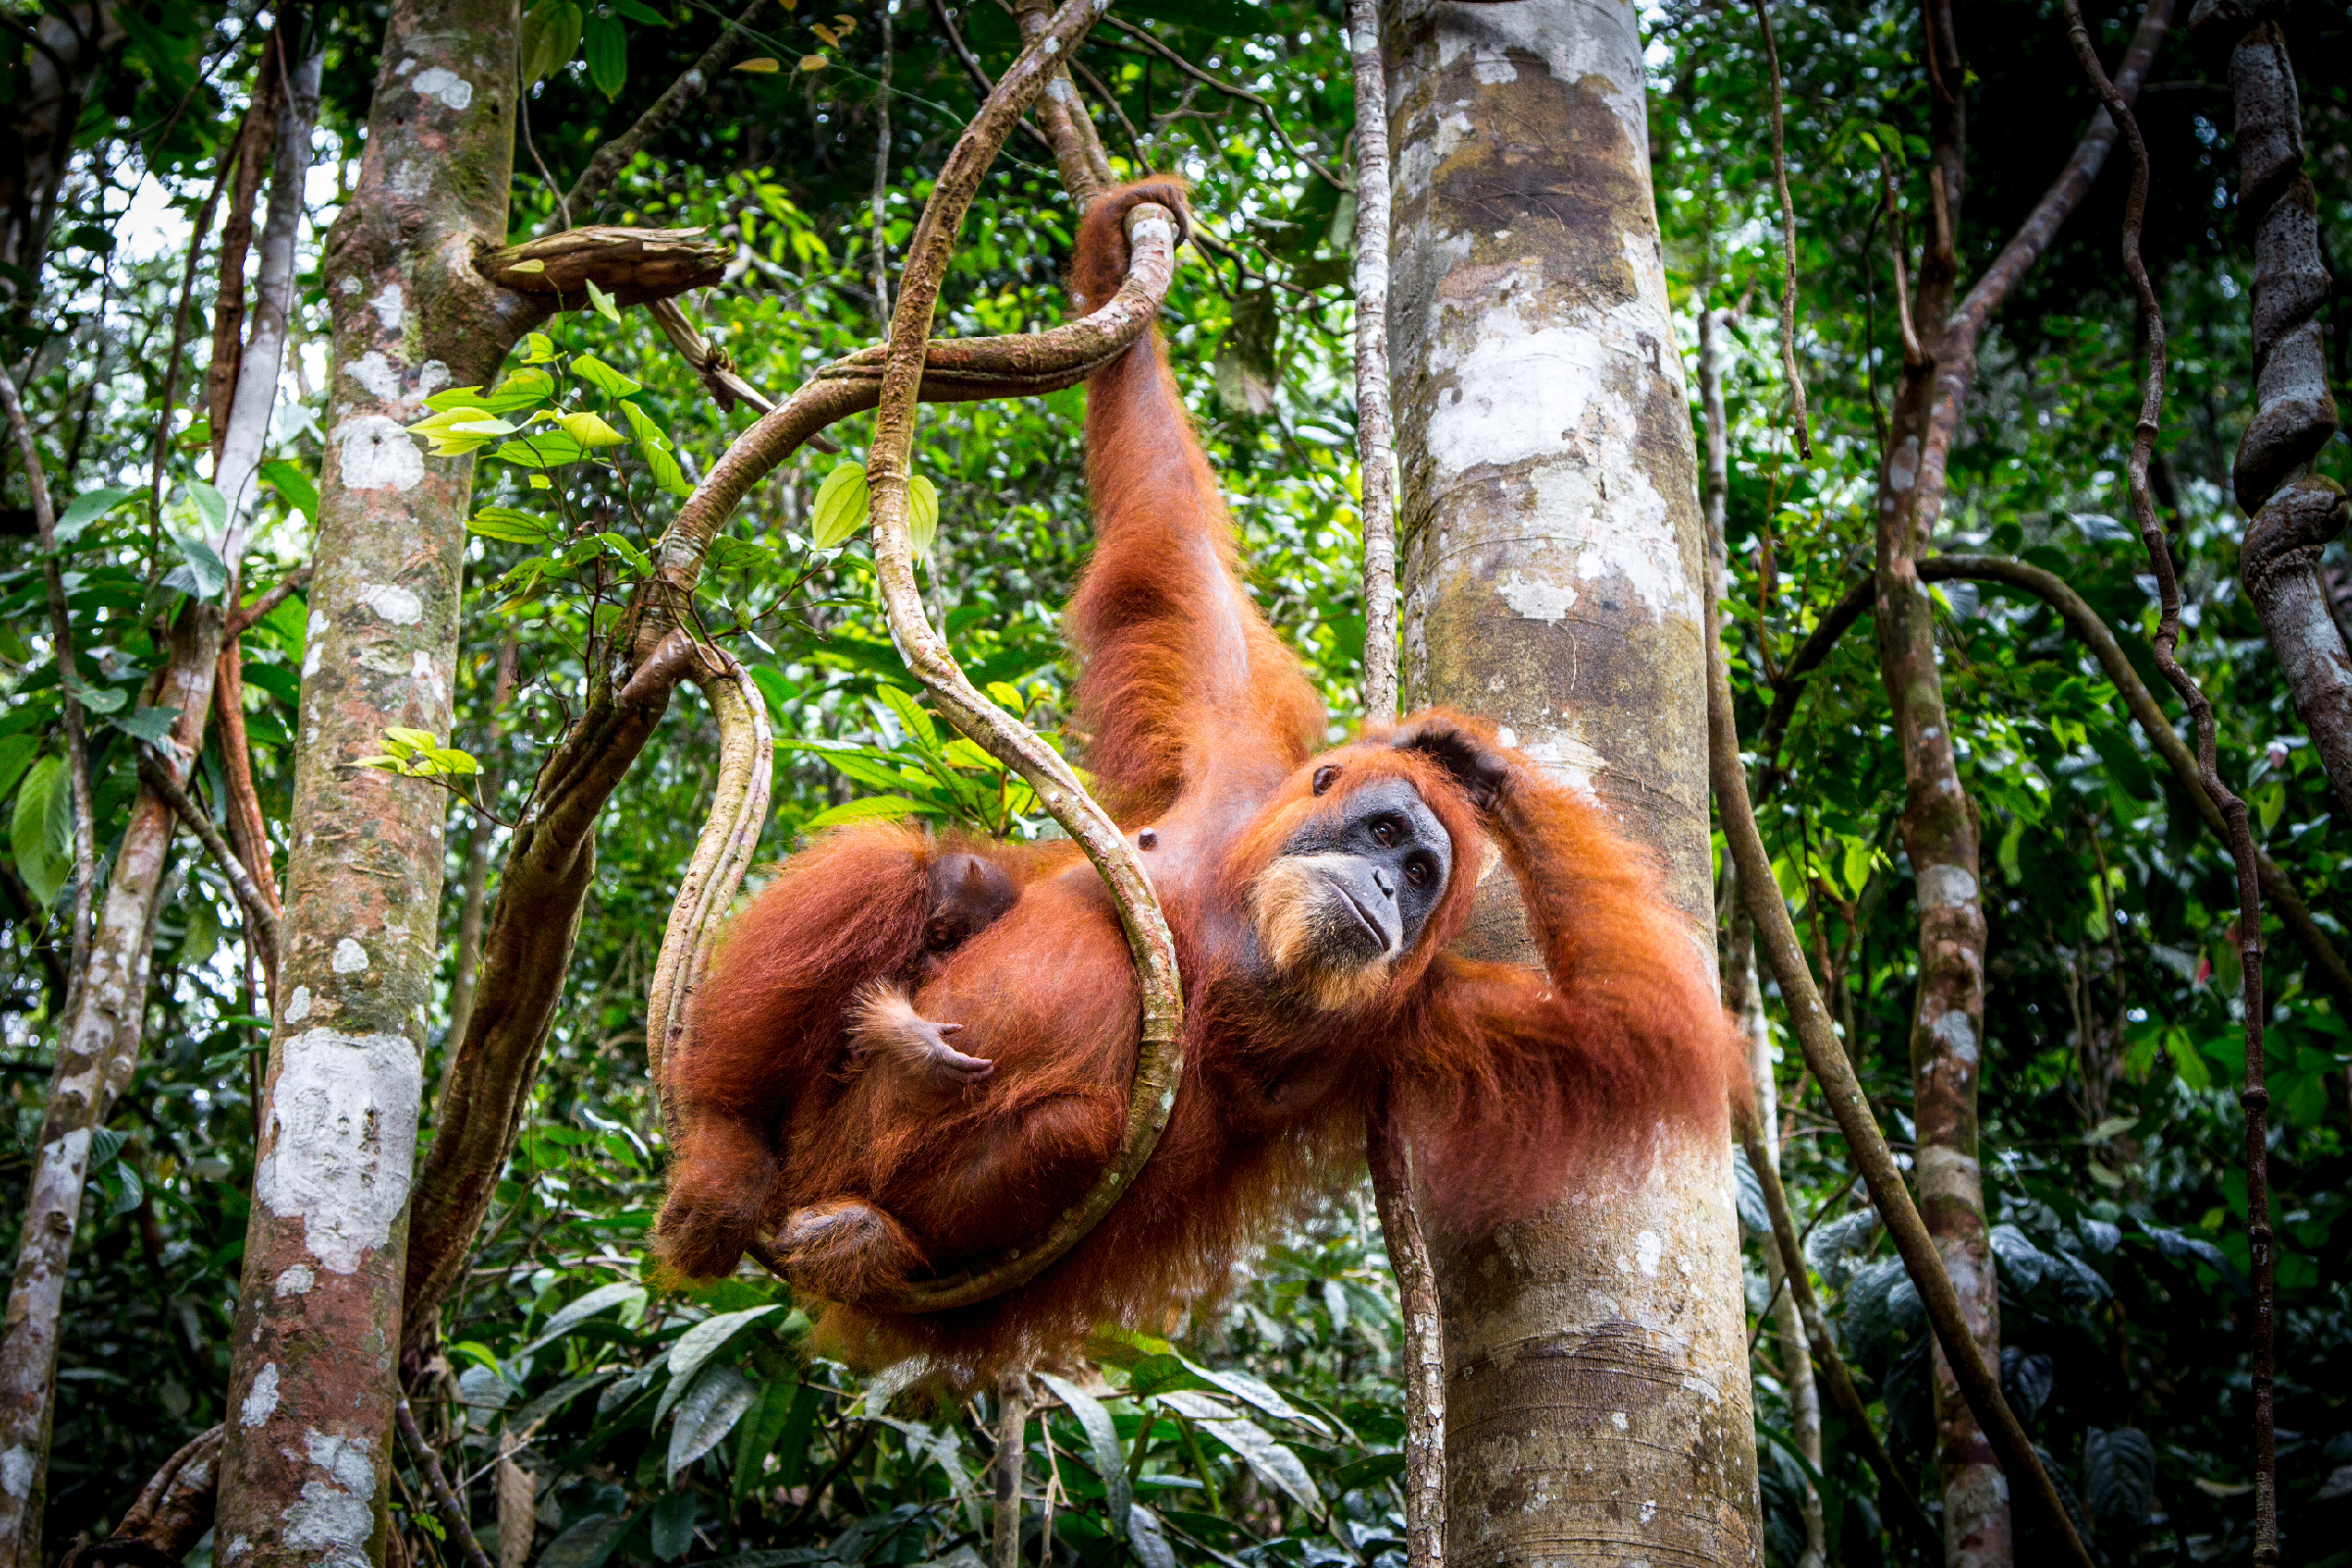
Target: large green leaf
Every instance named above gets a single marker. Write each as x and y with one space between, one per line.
43 855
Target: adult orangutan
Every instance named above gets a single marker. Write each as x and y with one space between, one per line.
1313 896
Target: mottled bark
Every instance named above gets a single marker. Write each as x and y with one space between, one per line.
1061 115
257 134
2294 412
171 1514
1423 1368
1553 563
98 1047
100 1039
312 1387
2279 566
1939 823
634 266
1375 433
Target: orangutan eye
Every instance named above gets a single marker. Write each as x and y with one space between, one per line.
1324 775
1384 834
1418 870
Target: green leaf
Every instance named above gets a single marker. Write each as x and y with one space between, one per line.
912 717
698 1345
762 1431
922 512
706 1414
129 1191
603 301
865 808
841 506
88 509
602 377
1257 1448
18 754
621 546
199 573
590 430
210 502
588 1544
538 348
638 11
543 449
97 699
601 1299
150 724
653 446
515 526
1102 1442
2188 1061
608 51
41 859
289 480
550 34
729 554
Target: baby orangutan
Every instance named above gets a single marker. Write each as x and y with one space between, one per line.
969 893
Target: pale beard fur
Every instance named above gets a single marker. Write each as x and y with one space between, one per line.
883 1024
1293 906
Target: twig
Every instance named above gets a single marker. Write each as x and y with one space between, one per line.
1152 232
1264 108
710 362
1375 440
61 637
1077 151
2254 1096
277 593
1898 243
1424 1370
880 202
179 329
1892 1486
446 1501
1012 1436
1809 1021
614 156
260 917
1780 179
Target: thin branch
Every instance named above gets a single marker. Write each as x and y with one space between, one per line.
1780 179
1062 113
1898 244
243 616
711 363
879 204
1424 1369
61 637
1013 1438
614 156
1809 1021
260 918
446 1501
197 234
1151 234
1273 120
1893 1487
1375 437
2085 622
2254 1096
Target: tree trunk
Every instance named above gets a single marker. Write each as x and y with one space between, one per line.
100 1039
1552 547
312 1381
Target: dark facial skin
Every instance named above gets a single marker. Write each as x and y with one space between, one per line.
968 895
1388 857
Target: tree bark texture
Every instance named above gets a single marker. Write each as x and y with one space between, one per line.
2294 413
1552 554
103 1030
312 1387
1939 823
98 1050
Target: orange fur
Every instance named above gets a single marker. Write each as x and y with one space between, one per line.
1513 1081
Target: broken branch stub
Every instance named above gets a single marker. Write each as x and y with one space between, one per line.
635 266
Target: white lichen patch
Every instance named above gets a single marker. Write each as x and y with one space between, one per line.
342 1141
1547 602
1648 1248
1958 1034
298 1006
335 1515
438 81
261 1399
1940 885
392 605
1948 1173
297 1281
17 1467
391 307
375 375
377 454
350 957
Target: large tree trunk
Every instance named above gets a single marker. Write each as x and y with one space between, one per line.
313 1381
1598 1405
100 1038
